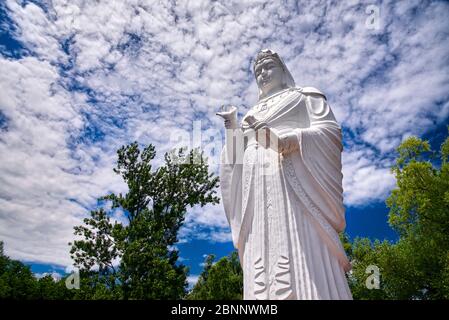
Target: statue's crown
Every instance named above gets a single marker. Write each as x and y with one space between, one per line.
264 54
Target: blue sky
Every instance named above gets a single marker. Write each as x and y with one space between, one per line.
78 79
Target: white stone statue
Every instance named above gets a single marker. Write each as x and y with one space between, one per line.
282 190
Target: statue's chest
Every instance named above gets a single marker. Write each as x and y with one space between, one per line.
281 117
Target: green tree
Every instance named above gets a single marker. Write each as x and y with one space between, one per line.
95 256
417 266
155 206
19 283
16 279
53 289
220 281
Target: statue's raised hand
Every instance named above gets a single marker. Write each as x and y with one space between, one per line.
229 116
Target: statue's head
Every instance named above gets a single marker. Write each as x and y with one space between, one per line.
271 73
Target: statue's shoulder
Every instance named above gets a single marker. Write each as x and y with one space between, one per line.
311 91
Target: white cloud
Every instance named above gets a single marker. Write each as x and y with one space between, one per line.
45 185
363 180
192 280
100 74
205 223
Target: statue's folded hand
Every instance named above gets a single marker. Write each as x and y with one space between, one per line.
288 143
284 144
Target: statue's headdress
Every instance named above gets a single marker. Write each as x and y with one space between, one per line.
267 53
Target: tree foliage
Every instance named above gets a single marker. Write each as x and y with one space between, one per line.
417 266
16 279
220 281
137 259
19 283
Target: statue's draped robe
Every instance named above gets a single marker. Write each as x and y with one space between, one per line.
285 211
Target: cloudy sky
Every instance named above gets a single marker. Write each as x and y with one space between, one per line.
78 79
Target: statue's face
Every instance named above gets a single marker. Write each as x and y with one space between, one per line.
269 75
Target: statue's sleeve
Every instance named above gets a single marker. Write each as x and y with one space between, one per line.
313 168
319 113
320 148
231 169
